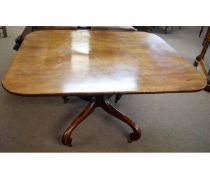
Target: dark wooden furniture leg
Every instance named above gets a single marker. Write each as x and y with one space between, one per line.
118 97
67 140
166 29
206 36
202 54
100 101
4 31
136 134
201 31
19 39
205 47
66 99
200 59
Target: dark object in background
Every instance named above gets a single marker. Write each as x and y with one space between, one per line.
83 27
201 31
143 28
151 28
4 31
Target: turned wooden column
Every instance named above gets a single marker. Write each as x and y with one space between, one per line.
205 47
200 58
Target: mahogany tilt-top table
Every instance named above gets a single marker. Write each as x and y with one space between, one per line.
98 64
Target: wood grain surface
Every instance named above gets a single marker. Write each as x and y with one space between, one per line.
61 62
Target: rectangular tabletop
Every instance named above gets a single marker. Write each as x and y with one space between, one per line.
98 62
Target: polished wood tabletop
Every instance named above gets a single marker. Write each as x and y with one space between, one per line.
61 62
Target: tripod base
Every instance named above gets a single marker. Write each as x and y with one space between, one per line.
100 101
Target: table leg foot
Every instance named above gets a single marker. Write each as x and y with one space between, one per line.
134 136
67 141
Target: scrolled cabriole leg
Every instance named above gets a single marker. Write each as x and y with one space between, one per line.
100 101
66 139
136 134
